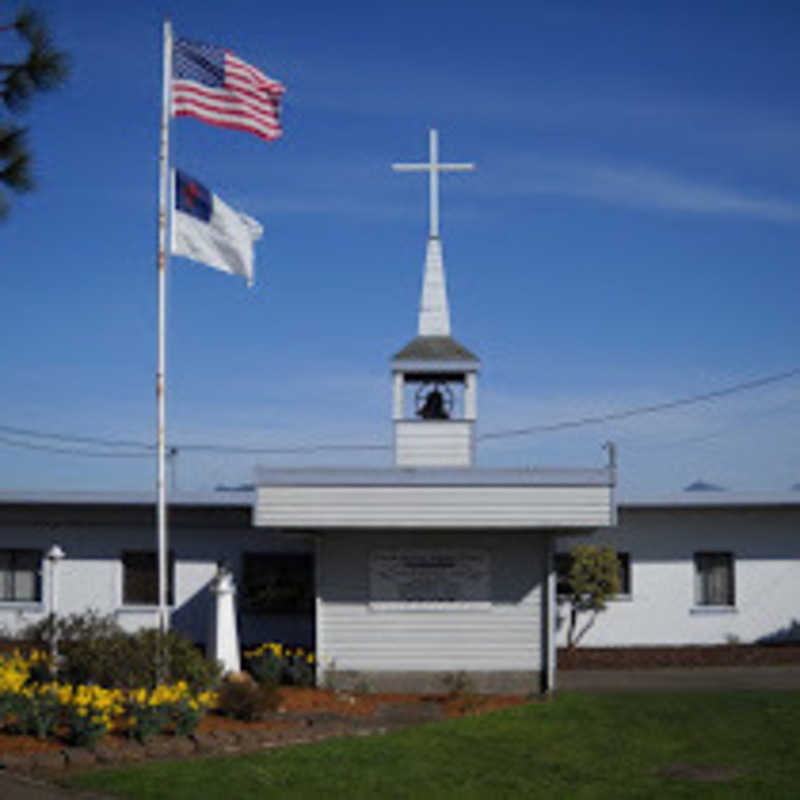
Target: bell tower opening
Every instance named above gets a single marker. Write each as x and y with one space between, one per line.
435 403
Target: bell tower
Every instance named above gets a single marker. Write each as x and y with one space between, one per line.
435 402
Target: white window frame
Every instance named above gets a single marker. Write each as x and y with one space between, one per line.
38 597
702 564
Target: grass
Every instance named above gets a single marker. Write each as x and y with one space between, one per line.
685 745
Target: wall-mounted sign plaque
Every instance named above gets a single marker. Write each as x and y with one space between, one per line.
429 577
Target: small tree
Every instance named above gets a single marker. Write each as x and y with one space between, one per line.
593 578
39 68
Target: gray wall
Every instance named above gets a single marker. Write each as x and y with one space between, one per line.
354 636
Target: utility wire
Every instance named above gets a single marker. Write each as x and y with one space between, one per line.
312 448
641 410
501 434
59 437
68 450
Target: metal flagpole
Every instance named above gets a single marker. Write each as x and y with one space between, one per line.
163 194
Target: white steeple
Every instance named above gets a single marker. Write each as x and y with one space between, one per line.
434 312
438 429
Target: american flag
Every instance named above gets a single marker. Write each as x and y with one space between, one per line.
212 84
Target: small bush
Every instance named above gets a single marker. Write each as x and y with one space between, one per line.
95 650
299 669
271 663
265 665
38 709
184 662
246 701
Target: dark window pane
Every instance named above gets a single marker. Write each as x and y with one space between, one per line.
20 578
563 562
140 578
714 579
624 573
275 583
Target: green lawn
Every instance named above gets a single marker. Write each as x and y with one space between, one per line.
578 746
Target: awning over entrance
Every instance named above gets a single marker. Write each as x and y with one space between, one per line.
434 498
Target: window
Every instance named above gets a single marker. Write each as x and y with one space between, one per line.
277 583
563 563
624 573
713 579
140 578
20 575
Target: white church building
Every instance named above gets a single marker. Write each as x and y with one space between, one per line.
401 575
434 566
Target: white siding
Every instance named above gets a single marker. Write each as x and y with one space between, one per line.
661 610
433 506
432 443
505 636
90 577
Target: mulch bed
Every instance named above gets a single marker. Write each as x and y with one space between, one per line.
304 715
736 655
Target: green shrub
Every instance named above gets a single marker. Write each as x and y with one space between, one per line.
38 710
184 661
265 666
95 650
271 663
299 669
246 701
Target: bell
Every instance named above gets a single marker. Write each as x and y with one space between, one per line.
434 406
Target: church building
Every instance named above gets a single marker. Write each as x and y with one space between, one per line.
401 576
434 567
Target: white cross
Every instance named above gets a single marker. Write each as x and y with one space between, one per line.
434 168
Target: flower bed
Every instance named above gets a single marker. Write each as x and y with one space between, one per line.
303 715
32 702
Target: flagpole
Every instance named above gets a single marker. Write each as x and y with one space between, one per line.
163 194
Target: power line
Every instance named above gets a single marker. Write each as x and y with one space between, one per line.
307 449
641 410
59 437
69 450
312 448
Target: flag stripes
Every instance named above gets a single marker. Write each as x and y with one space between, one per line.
217 87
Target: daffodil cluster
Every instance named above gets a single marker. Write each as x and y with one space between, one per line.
85 713
14 672
272 663
89 711
150 712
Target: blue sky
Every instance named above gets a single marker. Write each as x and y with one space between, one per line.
631 236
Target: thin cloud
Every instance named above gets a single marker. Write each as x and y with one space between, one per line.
644 187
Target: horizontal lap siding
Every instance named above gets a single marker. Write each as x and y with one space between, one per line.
439 506
354 636
661 543
434 444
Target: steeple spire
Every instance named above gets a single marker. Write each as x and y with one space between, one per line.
434 311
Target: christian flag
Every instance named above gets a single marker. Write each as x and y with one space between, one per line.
214 85
207 230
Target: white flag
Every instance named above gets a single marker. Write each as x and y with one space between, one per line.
207 230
